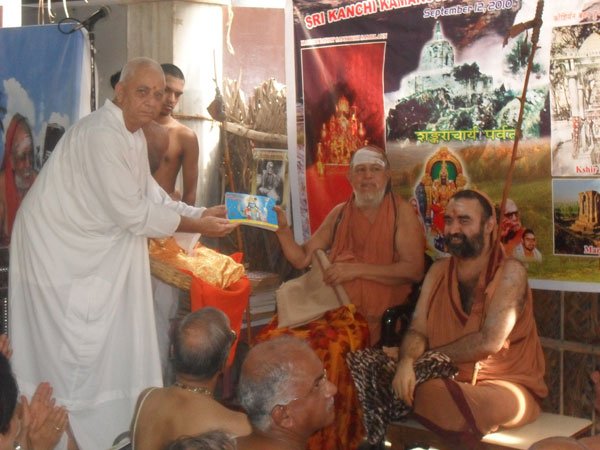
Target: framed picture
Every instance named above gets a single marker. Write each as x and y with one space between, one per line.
270 175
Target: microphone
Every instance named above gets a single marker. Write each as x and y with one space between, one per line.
91 21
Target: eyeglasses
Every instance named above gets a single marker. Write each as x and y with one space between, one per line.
318 386
508 215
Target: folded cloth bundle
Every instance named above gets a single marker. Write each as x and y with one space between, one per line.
210 266
373 371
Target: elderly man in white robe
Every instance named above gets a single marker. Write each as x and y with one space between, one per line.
80 298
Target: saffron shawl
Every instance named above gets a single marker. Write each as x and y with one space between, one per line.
521 359
356 239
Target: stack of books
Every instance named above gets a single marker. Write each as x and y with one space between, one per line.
262 305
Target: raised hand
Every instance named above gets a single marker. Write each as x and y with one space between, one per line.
41 402
5 347
281 217
47 422
44 435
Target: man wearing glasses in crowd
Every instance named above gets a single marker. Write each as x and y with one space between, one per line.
285 391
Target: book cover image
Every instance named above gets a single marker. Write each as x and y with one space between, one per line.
252 210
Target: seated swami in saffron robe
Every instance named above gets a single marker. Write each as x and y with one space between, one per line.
376 248
476 308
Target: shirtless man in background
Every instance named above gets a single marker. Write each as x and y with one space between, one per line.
183 142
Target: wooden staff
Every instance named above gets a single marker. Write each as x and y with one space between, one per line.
535 24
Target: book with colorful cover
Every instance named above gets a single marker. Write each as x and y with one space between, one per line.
252 210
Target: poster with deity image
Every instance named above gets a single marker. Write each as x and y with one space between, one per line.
452 76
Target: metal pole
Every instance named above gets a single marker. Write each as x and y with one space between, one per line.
93 70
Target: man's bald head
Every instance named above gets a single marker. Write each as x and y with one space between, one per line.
136 64
139 92
202 343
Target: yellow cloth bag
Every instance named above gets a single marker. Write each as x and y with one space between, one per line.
210 266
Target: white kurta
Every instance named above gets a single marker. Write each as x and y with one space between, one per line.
80 298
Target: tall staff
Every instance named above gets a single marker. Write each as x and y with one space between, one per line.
535 25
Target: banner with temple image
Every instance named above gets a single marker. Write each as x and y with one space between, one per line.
452 76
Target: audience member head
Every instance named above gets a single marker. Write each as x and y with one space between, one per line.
9 393
140 92
564 443
283 386
369 174
202 343
468 219
558 443
212 440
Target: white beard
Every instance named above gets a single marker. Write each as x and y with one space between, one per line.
369 200
23 180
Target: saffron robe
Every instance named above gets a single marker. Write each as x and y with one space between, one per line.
356 239
519 363
345 329
80 296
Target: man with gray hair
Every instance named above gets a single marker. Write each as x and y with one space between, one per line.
79 271
199 351
284 389
375 244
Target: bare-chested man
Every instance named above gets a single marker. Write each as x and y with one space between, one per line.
199 352
183 143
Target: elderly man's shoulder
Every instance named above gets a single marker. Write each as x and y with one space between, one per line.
235 421
204 410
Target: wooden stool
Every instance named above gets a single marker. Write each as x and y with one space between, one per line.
547 425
